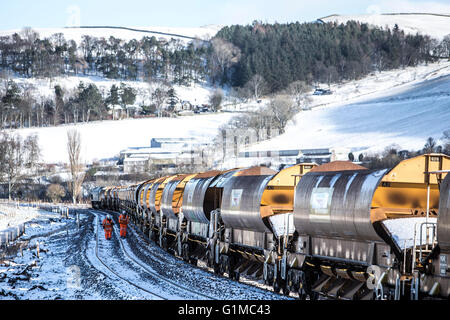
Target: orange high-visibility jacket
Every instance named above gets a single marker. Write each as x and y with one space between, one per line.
123 220
108 225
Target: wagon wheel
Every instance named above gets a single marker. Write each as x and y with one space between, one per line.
276 285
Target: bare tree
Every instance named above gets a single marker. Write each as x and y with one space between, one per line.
18 157
27 104
76 166
12 160
446 46
259 121
32 153
430 145
257 86
282 109
298 91
159 97
446 139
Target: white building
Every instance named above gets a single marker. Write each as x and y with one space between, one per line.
135 163
162 153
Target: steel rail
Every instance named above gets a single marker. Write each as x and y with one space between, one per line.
143 266
115 273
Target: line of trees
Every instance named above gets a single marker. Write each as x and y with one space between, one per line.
267 122
23 106
281 53
394 154
27 55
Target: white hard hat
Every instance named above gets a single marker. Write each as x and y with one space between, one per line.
108 216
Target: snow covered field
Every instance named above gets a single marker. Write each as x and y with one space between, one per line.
434 25
12 215
106 139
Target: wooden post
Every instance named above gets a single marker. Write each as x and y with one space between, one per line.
37 249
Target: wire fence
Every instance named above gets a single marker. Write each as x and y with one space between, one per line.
10 211
14 215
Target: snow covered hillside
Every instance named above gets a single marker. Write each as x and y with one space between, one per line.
76 34
354 116
405 115
403 106
379 82
45 88
434 25
105 139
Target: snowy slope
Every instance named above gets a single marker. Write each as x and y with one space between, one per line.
45 88
380 83
366 115
106 139
350 117
434 25
76 34
405 115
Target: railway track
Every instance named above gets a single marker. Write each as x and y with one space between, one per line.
202 266
130 257
114 272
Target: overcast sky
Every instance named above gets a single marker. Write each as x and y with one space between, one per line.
16 14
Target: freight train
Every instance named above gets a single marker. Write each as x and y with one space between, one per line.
337 230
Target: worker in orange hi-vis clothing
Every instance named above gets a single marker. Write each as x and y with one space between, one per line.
108 227
123 221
